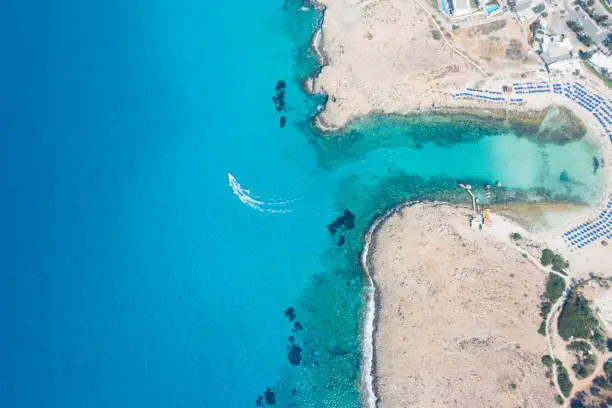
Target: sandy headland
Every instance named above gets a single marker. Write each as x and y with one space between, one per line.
456 317
390 56
401 57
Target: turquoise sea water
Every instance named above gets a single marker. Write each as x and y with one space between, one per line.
132 275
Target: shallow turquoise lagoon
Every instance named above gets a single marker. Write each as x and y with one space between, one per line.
133 273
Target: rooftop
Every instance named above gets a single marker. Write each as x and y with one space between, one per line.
553 51
461 7
602 61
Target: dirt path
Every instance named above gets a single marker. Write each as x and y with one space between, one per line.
442 34
553 310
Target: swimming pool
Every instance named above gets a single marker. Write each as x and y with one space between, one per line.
443 7
492 8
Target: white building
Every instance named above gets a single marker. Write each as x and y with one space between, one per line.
601 62
461 7
554 50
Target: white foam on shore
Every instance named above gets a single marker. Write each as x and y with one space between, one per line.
367 364
367 369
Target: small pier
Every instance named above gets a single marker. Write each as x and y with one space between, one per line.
468 188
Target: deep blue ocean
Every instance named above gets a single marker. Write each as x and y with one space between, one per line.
132 275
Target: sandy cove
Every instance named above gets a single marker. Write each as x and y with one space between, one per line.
381 56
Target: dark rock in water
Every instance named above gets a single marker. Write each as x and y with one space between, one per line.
297 326
280 85
258 401
291 339
341 241
283 121
595 164
333 227
564 176
270 397
346 220
290 313
295 354
279 98
293 391
349 220
280 101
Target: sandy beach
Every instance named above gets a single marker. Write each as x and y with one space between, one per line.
457 315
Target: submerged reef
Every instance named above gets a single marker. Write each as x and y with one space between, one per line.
269 397
555 124
290 313
294 351
564 176
279 98
346 220
295 354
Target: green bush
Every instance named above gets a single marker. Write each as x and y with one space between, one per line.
545 307
535 26
579 345
599 340
542 328
436 35
559 264
559 399
603 382
538 9
564 382
555 286
585 39
576 318
556 260
574 26
580 370
547 360
515 236
547 257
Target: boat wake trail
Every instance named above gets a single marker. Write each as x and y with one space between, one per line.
244 195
